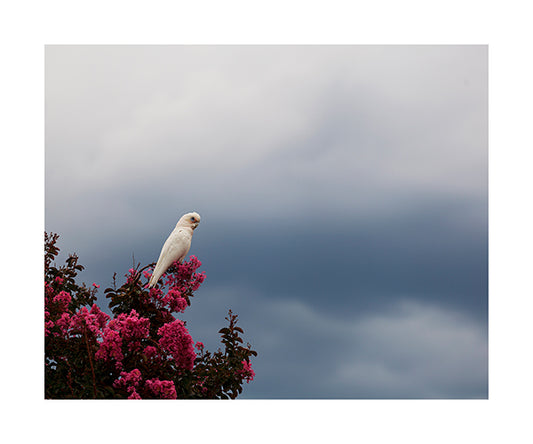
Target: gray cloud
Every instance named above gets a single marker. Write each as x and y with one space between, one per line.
282 129
438 254
407 350
417 352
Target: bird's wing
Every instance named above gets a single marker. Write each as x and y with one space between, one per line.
175 248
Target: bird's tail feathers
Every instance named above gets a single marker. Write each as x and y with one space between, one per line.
155 276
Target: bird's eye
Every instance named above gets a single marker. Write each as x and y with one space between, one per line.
193 219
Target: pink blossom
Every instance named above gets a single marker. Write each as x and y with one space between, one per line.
147 274
129 381
125 329
175 339
97 286
132 328
63 299
134 395
131 378
101 317
84 320
64 323
199 345
182 281
197 281
111 347
48 325
48 290
247 373
150 351
163 389
186 279
132 275
174 301
156 293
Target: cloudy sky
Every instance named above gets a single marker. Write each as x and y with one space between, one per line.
343 192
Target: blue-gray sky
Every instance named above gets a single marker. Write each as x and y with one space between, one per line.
343 193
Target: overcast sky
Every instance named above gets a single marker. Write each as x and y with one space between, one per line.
343 192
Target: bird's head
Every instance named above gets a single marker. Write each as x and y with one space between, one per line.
190 220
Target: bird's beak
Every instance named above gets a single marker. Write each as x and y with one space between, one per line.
194 226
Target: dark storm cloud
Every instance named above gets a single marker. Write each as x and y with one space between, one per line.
437 253
413 350
429 253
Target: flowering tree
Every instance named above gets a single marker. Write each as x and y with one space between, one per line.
141 352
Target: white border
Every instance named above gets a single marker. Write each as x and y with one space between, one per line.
27 26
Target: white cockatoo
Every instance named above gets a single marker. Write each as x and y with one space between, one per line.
176 246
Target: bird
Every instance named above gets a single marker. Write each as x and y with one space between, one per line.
176 246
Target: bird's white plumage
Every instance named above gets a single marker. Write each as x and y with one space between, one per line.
176 246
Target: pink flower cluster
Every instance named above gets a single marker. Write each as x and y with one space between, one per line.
176 340
48 325
64 324
48 292
93 320
130 381
78 323
163 389
131 276
63 299
186 278
247 372
180 283
132 328
150 351
111 347
123 346
129 329
174 301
